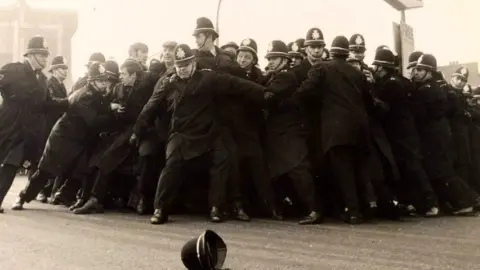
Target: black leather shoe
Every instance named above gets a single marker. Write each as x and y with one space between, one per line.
312 218
1 210
277 216
79 203
90 207
159 217
18 205
215 215
42 198
141 207
240 214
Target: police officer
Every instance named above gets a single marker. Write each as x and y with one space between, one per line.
434 131
96 57
65 152
57 89
460 119
195 132
344 125
287 132
399 125
23 119
295 54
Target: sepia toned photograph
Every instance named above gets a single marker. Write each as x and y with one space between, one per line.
231 135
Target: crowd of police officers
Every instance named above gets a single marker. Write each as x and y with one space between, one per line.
317 133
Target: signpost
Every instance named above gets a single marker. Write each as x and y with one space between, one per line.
403 33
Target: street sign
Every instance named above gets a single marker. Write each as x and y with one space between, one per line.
404 43
401 5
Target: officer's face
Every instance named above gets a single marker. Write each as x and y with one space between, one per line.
357 55
296 61
168 54
60 73
275 63
40 59
458 82
200 40
127 79
184 71
101 84
419 74
409 73
315 51
245 59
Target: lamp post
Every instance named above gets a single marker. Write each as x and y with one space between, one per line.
217 23
403 33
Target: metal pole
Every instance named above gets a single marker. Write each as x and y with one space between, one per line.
403 17
217 23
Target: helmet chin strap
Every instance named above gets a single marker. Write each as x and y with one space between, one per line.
38 62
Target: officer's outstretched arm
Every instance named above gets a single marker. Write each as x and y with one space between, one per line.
147 116
232 85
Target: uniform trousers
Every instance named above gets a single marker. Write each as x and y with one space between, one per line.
175 172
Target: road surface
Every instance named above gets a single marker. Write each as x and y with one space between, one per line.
46 237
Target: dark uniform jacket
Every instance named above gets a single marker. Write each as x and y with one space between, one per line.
433 128
75 133
23 113
153 142
342 93
80 83
460 120
133 99
286 127
57 90
194 123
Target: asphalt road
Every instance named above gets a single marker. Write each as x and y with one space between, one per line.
49 237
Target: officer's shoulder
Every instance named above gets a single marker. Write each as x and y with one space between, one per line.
205 70
13 66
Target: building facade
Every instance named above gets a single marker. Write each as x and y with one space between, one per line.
19 22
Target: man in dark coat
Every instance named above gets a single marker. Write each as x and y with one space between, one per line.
195 131
133 93
151 148
65 152
343 94
287 131
384 173
460 120
399 124
435 136
57 89
23 113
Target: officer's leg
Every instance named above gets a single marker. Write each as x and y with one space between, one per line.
303 182
419 186
342 161
96 196
7 175
169 184
34 185
220 172
257 167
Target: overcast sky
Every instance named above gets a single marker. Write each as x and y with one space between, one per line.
110 26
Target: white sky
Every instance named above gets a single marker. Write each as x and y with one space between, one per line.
110 26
